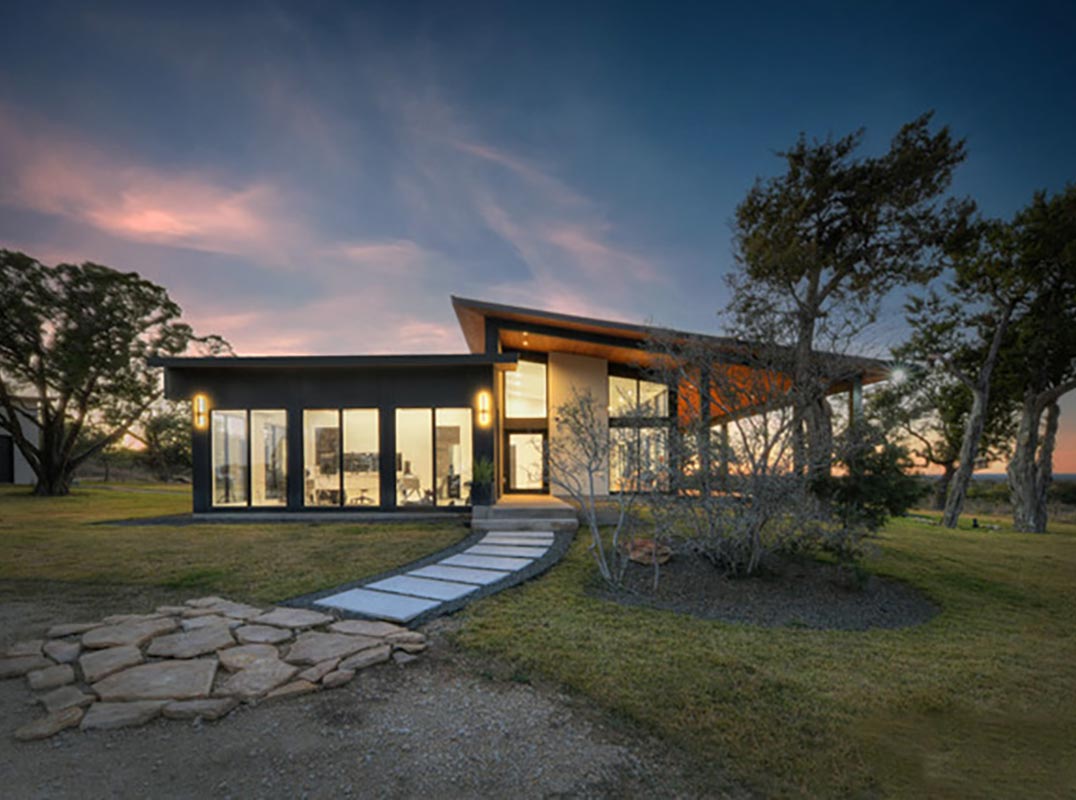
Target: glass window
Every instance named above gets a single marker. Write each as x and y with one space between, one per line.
654 399
622 396
524 391
526 459
623 459
229 457
653 447
269 458
321 457
414 456
362 466
453 455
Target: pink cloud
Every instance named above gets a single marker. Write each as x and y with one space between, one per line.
52 174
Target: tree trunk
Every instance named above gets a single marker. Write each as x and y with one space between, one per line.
969 450
1031 469
941 488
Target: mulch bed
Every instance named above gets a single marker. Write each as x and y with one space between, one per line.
799 593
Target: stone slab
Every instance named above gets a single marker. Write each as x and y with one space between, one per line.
61 651
236 658
210 709
396 607
293 618
403 659
506 550
204 602
262 634
98 664
367 658
486 562
365 627
319 671
510 539
313 647
18 666
337 678
135 633
190 644
65 697
479 577
208 621
242 611
50 725
162 680
257 679
423 587
50 677
71 628
293 689
30 647
108 716
522 534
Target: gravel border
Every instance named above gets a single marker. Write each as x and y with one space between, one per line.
806 594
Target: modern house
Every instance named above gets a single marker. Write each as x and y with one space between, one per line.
328 434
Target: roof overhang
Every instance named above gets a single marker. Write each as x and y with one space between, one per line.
503 361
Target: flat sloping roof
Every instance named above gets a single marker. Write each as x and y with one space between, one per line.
472 315
501 360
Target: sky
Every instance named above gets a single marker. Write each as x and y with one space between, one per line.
319 177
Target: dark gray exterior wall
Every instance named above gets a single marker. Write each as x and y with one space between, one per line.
298 388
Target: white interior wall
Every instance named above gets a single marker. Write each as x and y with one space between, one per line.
584 373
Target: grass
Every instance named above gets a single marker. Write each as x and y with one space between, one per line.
975 703
61 539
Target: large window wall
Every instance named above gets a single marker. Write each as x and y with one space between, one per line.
434 456
249 457
638 434
341 457
525 391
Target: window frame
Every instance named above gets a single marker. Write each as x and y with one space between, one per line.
249 483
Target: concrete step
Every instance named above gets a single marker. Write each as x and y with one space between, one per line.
501 525
562 511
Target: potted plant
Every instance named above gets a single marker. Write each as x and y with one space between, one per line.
482 482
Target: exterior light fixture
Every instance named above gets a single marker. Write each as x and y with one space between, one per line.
898 375
200 411
485 409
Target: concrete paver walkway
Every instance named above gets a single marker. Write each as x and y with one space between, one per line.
425 590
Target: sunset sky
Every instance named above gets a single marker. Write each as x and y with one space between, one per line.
319 177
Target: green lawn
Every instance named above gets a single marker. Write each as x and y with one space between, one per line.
56 539
979 702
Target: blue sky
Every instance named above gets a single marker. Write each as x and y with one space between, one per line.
318 177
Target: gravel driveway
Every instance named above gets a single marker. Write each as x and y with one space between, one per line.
436 728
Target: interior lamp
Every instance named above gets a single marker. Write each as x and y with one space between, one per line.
485 409
200 410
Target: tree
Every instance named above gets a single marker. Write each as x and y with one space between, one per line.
578 459
77 339
821 244
167 439
1039 365
927 412
1005 276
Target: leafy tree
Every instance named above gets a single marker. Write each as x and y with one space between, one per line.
77 338
167 439
821 244
1003 279
1039 364
926 414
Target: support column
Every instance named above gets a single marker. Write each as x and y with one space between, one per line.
855 403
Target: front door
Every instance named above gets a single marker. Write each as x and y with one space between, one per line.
525 461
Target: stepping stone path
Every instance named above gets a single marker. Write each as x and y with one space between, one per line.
128 669
402 598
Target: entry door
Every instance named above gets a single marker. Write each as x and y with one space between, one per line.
525 462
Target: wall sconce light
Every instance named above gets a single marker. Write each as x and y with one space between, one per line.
485 409
200 410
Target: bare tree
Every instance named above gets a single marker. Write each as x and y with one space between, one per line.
578 459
